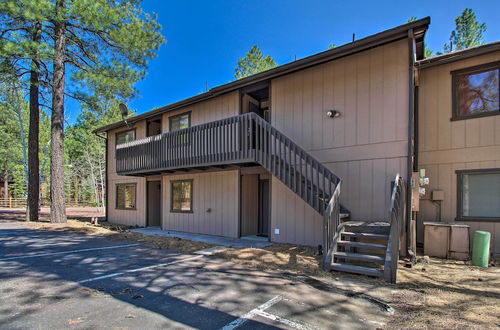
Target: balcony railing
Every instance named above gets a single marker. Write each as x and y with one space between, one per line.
226 141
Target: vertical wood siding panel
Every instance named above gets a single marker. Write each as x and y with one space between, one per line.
298 219
317 108
486 131
376 103
298 111
497 130
354 183
472 133
288 117
445 183
307 103
402 90
291 226
379 188
390 97
339 103
443 127
274 222
327 124
220 203
350 101
366 188
424 105
363 98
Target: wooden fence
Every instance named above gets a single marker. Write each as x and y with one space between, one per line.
21 203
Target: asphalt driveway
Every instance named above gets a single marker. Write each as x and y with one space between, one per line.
54 280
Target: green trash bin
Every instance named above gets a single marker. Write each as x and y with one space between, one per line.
481 248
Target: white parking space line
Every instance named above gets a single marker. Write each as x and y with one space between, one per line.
283 320
138 269
66 252
260 311
239 321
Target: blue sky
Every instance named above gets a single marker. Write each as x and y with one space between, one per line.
205 39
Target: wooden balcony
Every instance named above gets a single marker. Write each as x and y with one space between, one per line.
227 141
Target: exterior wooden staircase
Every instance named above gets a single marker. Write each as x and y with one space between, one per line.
371 248
249 139
361 248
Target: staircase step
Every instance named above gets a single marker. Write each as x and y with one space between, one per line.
363 245
357 269
365 235
377 227
360 257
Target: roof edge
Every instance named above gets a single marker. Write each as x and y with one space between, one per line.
458 55
400 32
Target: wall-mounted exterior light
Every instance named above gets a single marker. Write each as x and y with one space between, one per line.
333 113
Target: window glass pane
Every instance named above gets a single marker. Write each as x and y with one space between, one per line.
179 122
125 196
124 137
478 92
481 195
186 196
181 195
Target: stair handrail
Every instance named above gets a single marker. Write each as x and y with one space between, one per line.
397 209
331 227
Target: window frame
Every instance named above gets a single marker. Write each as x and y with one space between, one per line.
134 184
460 174
455 113
125 131
176 116
172 210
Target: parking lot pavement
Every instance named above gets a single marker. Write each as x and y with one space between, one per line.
54 280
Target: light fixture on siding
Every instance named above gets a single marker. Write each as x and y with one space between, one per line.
333 113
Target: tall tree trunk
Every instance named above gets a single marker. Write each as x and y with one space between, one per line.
57 198
6 181
34 128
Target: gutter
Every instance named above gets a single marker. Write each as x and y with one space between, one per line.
459 55
411 145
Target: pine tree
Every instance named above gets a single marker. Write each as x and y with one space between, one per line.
468 32
100 47
254 62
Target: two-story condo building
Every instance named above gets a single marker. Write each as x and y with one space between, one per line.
308 152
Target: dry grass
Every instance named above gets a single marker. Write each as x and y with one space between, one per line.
443 294
292 258
120 232
448 294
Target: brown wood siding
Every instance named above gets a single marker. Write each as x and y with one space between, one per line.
366 146
226 105
217 191
135 217
446 146
220 107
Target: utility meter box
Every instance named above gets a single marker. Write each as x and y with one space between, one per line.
446 240
438 195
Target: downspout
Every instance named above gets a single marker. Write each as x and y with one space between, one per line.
411 145
106 175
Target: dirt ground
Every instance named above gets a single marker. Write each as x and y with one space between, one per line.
440 294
